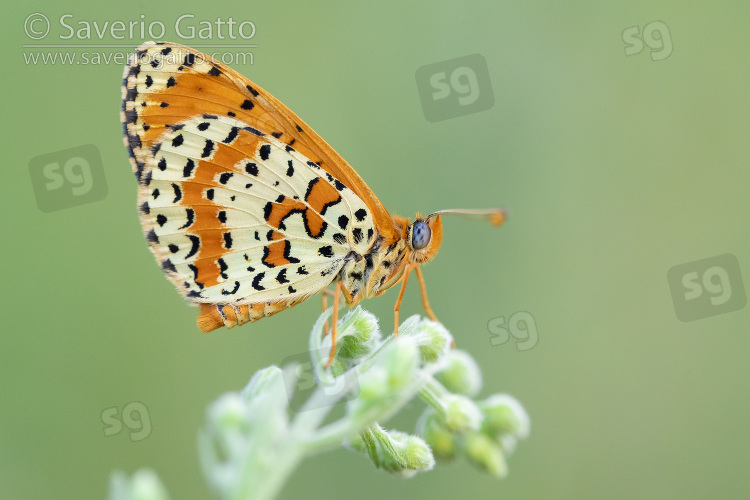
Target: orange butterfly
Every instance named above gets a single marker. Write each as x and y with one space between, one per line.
246 208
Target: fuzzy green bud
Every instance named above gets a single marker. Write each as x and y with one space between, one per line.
267 400
268 382
358 335
228 424
504 415
395 451
373 388
381 383
144 485
461 414
442 442
229 411
409 454
432 338
400 359
461 374
485 454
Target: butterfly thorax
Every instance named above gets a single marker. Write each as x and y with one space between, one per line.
371 274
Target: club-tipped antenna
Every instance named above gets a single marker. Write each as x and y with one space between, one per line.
494 216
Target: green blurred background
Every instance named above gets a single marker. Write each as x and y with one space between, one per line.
614 168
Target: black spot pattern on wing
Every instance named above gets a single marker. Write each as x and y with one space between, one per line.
256 282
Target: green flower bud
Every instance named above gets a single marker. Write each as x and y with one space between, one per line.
338 366
395 451
432 338
358 335
442 442
401 359
268 381
229 411
461 414
228 425
381 384
409 326
461 374
373 389
144 485
508 444
266 401
485 454
504 415
408 454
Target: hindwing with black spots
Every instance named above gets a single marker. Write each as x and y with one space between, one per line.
242 212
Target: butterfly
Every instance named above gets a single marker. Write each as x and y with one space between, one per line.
247 210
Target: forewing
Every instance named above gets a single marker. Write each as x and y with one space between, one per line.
166 84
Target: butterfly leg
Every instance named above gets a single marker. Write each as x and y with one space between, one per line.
426 302
336 296
400 296
423 290
324 295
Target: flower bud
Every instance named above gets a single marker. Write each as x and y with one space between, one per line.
373 389
358 335
401 359
380 384
461 374
229 411
144 485
442 442
394 451
461 414
504 415
407 454
268 381
485 454
431 337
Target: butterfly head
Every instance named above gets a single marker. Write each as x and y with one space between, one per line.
423 237
425 234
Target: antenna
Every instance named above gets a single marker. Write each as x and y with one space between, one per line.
494 216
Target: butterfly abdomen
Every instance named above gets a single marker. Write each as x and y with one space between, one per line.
213 316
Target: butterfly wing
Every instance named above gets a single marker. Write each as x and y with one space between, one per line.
207 86
233 214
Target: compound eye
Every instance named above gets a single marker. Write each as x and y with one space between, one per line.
420 236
